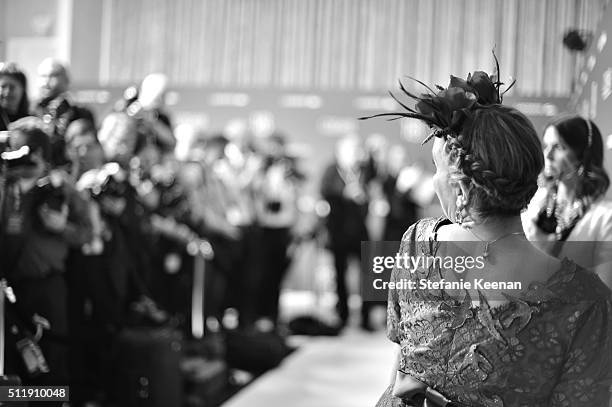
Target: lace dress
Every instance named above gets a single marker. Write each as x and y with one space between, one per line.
551 345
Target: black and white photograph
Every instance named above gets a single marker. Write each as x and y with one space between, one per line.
315 203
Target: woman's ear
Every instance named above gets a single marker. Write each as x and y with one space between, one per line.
463 191
463 216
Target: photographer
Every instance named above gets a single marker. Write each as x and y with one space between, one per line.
122 140
146 104
276 189
56 108
344 187
40 219
83 148
208 199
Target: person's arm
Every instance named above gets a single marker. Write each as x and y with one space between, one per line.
541 240
393 307
395 368
403 385
604 271
603 251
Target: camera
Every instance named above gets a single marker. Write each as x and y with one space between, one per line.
110 180
547 223
129 102
273 206
49 192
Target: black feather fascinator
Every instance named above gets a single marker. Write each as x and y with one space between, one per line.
447 109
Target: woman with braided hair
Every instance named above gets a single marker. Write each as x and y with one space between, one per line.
569 206
546 339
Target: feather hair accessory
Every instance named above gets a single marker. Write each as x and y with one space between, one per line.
448 109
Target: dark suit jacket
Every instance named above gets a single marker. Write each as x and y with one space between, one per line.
346 221
59 113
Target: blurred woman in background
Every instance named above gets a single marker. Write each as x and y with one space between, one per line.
570 205
14 102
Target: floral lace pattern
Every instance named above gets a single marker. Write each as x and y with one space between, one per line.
552 345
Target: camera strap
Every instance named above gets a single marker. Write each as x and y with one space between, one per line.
2 321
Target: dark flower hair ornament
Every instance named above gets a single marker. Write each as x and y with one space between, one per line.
449 109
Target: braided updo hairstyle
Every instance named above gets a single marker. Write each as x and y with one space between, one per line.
494 152
498 157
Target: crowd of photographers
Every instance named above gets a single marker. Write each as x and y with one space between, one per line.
100 225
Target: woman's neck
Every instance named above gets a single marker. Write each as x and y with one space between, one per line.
492 228
487 230
566 191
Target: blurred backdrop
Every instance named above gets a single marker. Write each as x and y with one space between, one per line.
306 67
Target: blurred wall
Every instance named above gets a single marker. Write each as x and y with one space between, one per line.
594 87
313 66
69 30
343 44
30 30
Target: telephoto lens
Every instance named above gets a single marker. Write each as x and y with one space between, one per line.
547 223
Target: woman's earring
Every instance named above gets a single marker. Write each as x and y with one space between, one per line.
458 217
460 212
581 170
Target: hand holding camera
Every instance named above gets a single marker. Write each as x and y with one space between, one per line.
53 220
